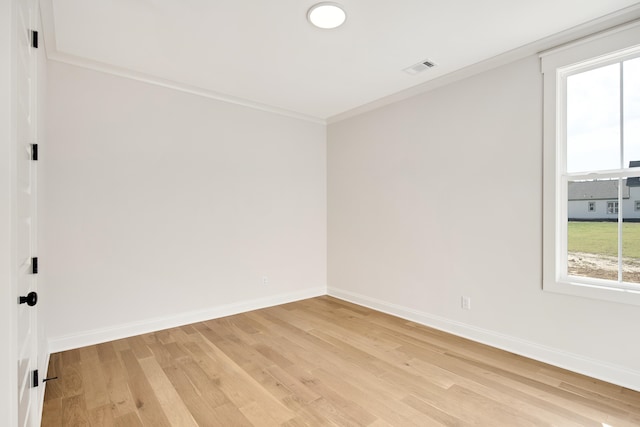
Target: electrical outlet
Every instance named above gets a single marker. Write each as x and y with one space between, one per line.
265 280
466 303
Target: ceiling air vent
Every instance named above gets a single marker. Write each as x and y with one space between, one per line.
420 67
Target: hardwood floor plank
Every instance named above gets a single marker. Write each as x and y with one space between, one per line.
121 345
230 415
161 354
146 402
118 392
589 408
631 409
296 385
101 416
164 336
241 387
275 356
188 329
176 411
437 416
332 395
53 409
482 381
200 409
74 411
375 395
129 420
487 411
139 347
70 376
106 352
95 387
176 353
320 362
206 387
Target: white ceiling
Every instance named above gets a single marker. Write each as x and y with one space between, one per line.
264 52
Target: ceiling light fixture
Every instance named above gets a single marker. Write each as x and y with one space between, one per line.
326 15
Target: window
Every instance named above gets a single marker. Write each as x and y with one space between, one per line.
637 205
592 146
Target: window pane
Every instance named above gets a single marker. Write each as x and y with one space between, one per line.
631 233
593 119
592 237
631 111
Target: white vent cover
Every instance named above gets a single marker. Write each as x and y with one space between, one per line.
420 66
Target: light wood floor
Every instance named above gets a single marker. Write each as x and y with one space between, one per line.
320 362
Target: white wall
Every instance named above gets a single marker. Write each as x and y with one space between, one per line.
165 208
440 196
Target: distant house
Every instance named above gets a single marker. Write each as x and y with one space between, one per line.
598 200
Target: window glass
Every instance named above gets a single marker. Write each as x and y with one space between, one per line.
593 119
630 234
592 246
631 110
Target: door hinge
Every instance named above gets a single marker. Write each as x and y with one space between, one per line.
36 380
34 265
34 39
34 151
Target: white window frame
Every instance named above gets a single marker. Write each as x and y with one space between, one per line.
613 207
636 205
591 206
556 65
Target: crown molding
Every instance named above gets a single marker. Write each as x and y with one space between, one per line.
53 54
193 90
622 17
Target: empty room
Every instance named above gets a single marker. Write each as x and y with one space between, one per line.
303 213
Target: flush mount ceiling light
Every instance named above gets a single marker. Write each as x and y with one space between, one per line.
326 15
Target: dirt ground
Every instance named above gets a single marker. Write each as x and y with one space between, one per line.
603 267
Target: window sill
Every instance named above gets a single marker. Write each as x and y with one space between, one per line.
597 290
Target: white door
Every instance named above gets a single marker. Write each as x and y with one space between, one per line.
26 133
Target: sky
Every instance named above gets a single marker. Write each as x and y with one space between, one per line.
593 117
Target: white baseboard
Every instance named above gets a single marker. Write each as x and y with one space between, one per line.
594 368
97 336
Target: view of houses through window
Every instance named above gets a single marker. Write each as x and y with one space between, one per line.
603 171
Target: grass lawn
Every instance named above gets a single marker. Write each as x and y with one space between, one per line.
602 238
